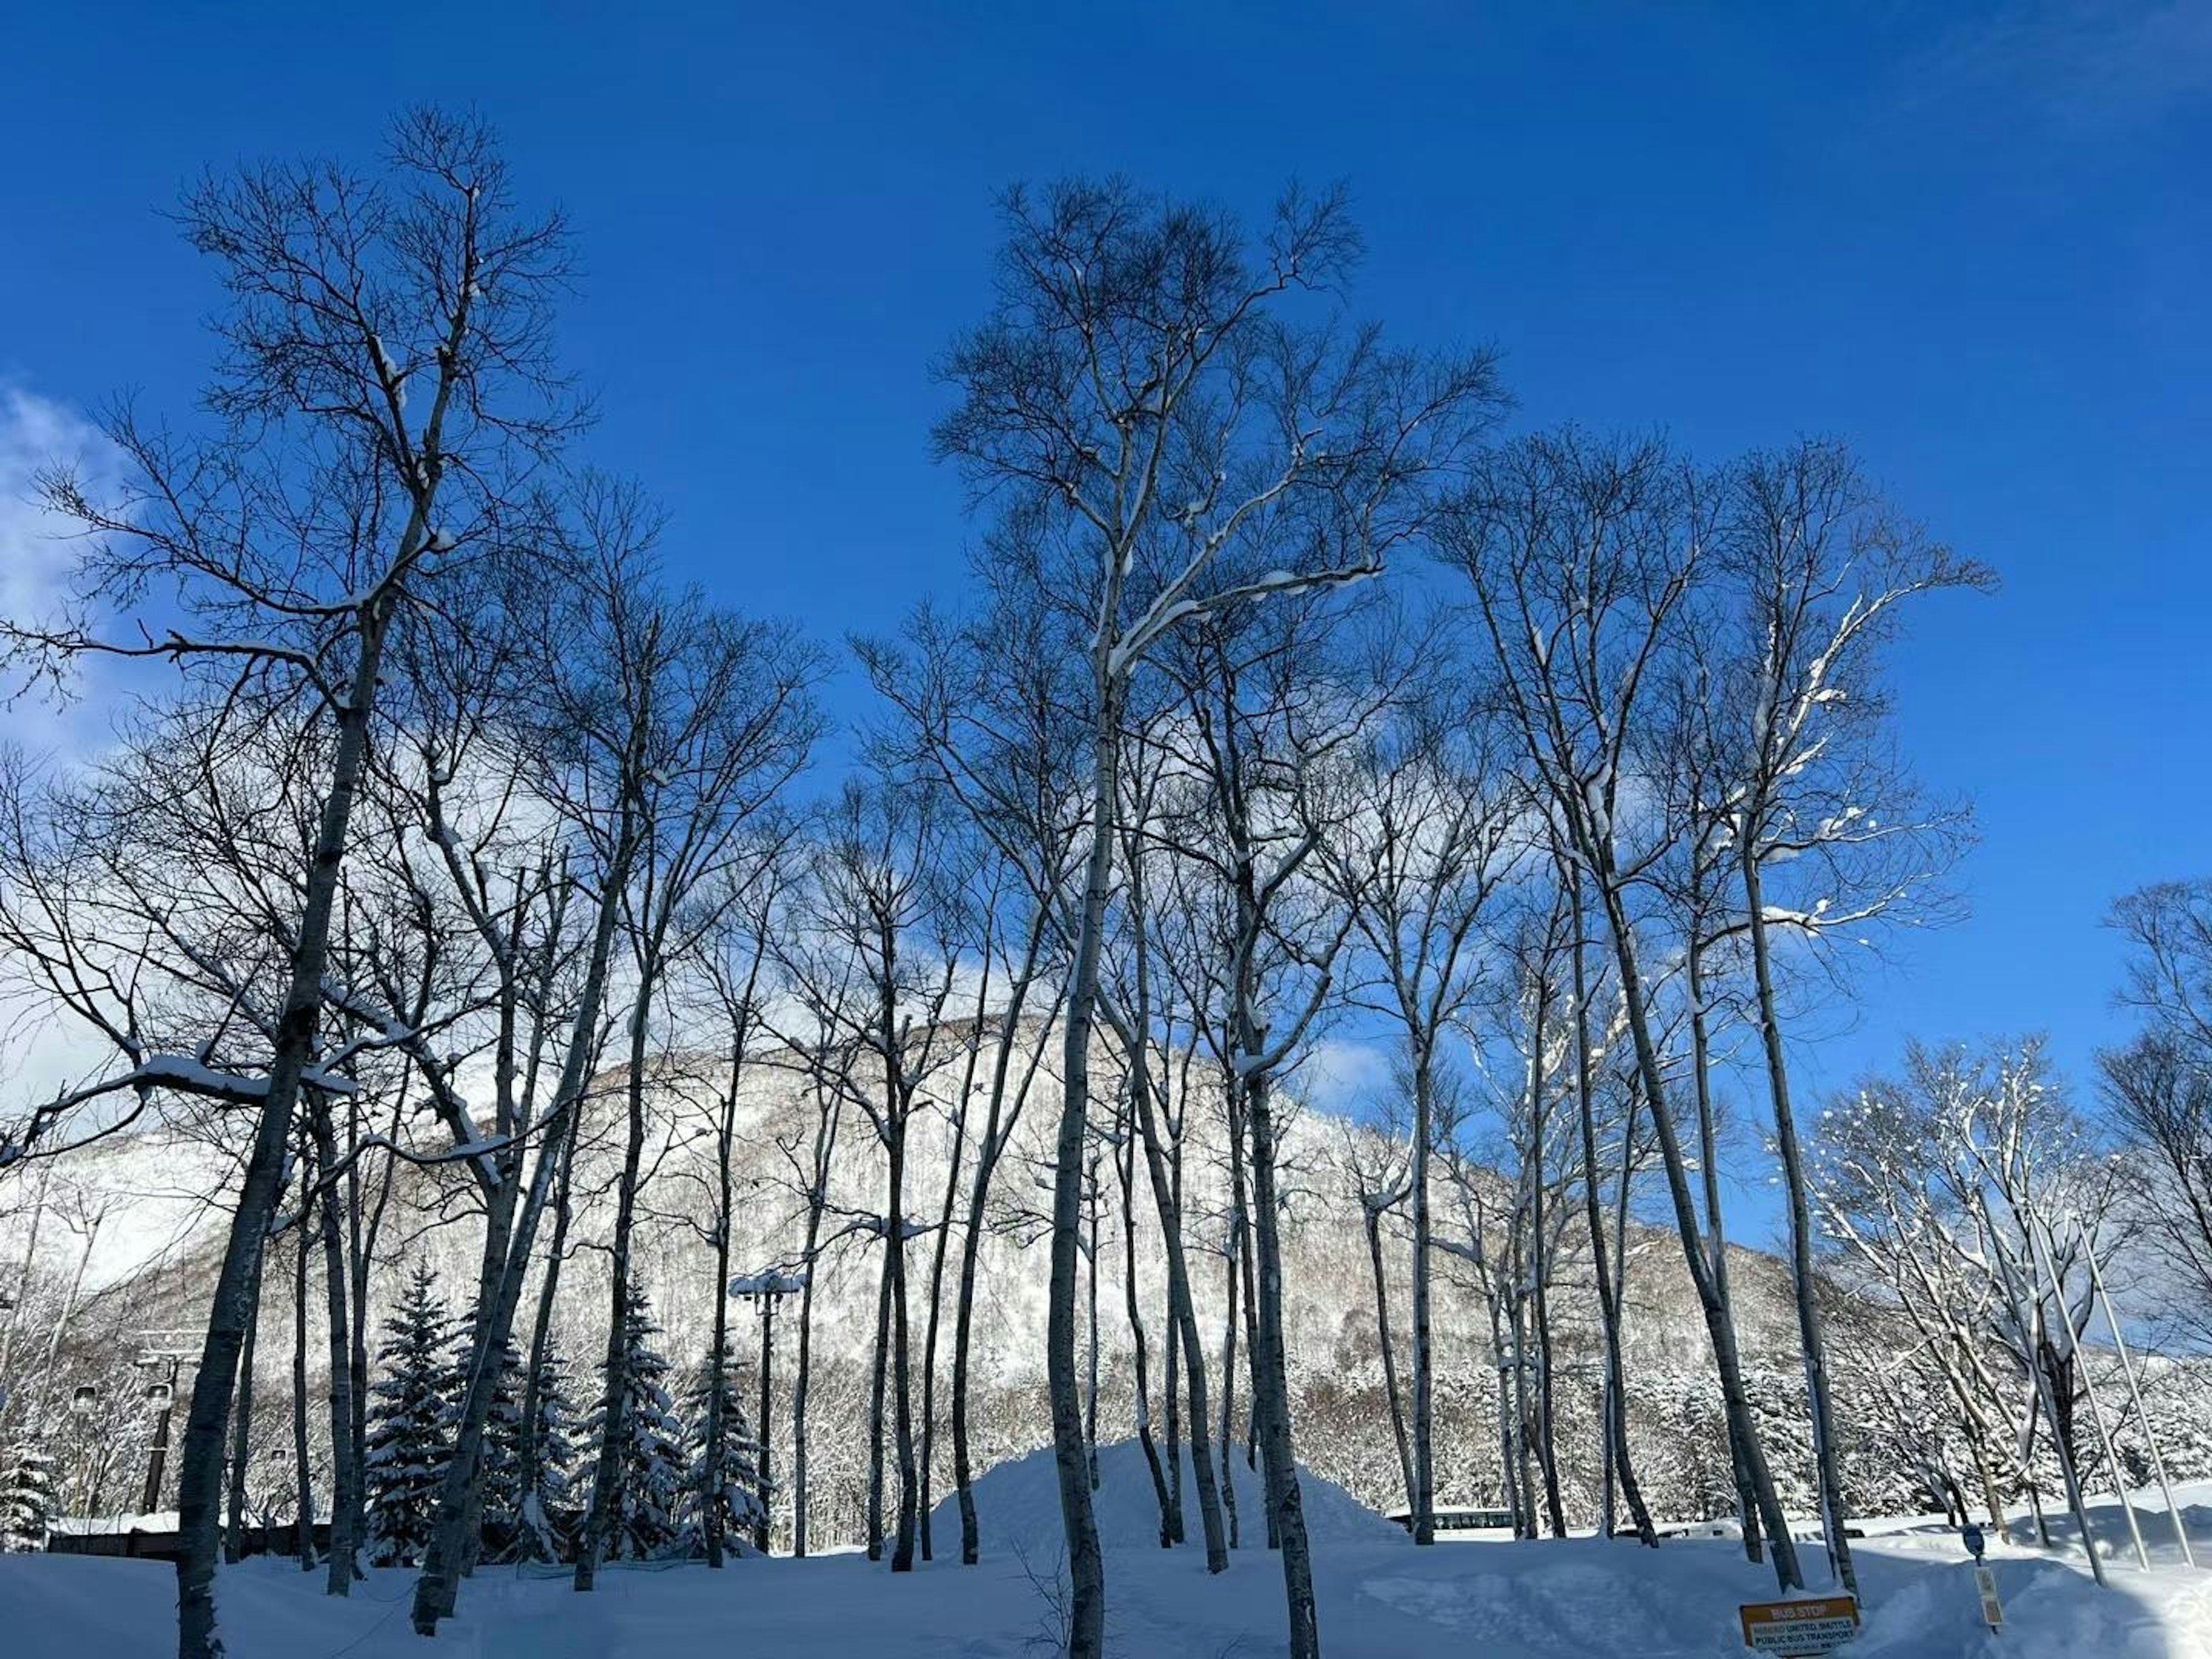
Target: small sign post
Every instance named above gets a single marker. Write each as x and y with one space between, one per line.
1800 1630
1985 1582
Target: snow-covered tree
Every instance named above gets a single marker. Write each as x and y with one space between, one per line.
527 1510
731 1497
27 1497
647 1488
409 1428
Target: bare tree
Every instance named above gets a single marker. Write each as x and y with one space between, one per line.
2158 1088
386 377
1967 1188
1582 558
1137 400
1426 845
723 721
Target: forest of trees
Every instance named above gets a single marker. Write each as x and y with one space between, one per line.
460 880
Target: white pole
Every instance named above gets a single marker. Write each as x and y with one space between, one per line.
2089 1386
2134 1393
2027 1317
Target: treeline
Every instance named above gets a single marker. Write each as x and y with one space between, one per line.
1287 692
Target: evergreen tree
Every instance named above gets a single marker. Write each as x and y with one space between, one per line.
409 1426
549 1513
731 1498
27 1497
523 1517
649 1486
499 1472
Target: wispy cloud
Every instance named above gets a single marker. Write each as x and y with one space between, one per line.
1343 1076
37 553
34 555
2079 63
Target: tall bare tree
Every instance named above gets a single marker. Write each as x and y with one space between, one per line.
385 378
1136 397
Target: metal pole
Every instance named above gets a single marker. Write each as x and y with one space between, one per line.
767 1363
157 1460
2089 1386
2128 1370
2028 1319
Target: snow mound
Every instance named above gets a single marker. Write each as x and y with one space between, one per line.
1018 1504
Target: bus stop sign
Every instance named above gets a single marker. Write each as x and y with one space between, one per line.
1802 1629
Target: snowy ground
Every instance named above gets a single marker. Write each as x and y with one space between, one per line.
1380 1598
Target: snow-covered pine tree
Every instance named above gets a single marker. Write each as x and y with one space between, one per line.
499 1475
731 1498
649 1486
409 1428
27 1497
549 1511
525 1514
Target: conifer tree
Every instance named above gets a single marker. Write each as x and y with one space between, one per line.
549 1497
526 1510
721 1487
649 1478
499 1474
27 1497
409 1425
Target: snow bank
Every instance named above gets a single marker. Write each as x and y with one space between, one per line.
1018 1502
1379 1598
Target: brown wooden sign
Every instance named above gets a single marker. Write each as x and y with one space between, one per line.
1804 1629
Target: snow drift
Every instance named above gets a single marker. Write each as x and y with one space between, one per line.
1018 1504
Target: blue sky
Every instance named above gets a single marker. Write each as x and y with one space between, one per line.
1974 241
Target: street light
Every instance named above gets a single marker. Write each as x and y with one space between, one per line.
765 1290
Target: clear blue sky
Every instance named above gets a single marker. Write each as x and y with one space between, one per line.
1976 241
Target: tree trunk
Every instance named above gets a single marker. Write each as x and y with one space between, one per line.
879 1370
1801 1236
1422 1493
1547 1458
901 1367
1232 1245
1090 1306
346 1467
1747 1507
1166 1198
926 1457
241 1435
303 1465
599 1519
1719 1324
1374 1217
532 1458
1087 1565
989 1149
436 1591
199 1479
1271 1382
1125 1166
1616 1428
825 1146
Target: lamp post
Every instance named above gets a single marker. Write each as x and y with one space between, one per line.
765 1290
162 1352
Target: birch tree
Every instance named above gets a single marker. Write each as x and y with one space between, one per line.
1582 558
1426 845
385 376
1138 394
1826 569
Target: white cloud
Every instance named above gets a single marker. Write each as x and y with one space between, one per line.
37 551
1343 1076
35 555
